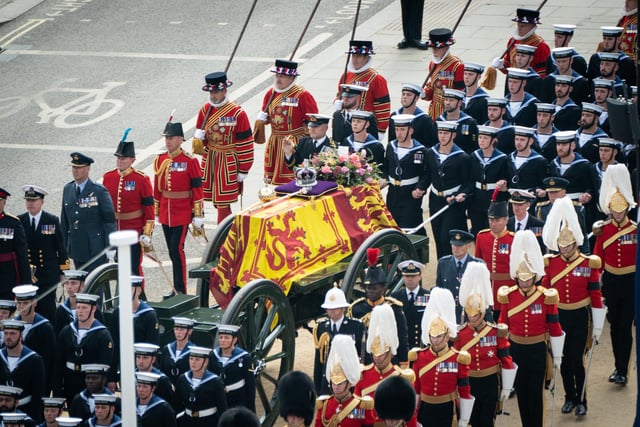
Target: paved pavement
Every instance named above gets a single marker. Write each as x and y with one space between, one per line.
11 9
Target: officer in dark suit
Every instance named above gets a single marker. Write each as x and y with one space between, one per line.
308 146
174 360
234 365
146 356
375 287
414 299
153 411
451 267
14 261
521 201
87 216
335 305
45 248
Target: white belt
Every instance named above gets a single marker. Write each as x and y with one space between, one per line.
202 413
403 182
24 400
481 186
574 196
77 367
444 193
235 386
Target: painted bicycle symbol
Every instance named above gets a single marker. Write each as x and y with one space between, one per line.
89 107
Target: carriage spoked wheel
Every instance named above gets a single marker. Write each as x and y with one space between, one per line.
103 281
211 255
267 333
394 246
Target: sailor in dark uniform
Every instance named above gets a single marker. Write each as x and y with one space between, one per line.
66 312
350 100
45 247
22 367
152 411
488 171
174 360
626 69
563 33
589 133
521 108
7 308
375 287
522 60
545 142
361 140
146 356
567 115
83 341
38 332
16 419
521 201
450 180
234 365
104 412
65 422
496 110
467 130
95 379
14 261
564 60
602 90
199 392
609 67
424 131
413 298
406 172
311 145
475 97
335 305
451 267
526 167
53 407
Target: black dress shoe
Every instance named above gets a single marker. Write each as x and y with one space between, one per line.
403 44
621 380
568 406
581 410
613 377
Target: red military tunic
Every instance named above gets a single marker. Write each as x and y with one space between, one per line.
228 151
495 251
627 42
177 186
371 377
539 316
376 98
132 198
576 281
353 412
449 73
438 382
540 56
287 114
616 245
488 347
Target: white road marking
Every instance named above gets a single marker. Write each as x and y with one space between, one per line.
21 30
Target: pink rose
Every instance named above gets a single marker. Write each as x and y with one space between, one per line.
325 169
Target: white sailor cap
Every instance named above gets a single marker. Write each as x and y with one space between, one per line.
147 377
562 52
183 322
561 79
487 130
563 28
497 102
203 352
542 107
517 73
565 136
402 119
349 90
13 324
145 348
527 49
7 390
68 421
105 399
472 66
611 31
445 125
87 299
453 93
13 417
75 274
524 131
412 87
53 402
228 329
608 56
361 114
603 83
25 292
95 368
6 304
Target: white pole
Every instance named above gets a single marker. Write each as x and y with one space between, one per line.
123 240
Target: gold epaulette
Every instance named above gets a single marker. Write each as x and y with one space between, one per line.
503 294
322 344
7 214
349 312
597 226
366 402
462 326
464 357
412 356
547 257
594 261
393 301
66 265
503 330
321 400
545 203
484 230
188 154
139 172
407 374
550 295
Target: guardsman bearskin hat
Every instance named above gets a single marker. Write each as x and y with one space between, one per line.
395 399
297 396
238 416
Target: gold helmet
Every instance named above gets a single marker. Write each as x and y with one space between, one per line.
616 194
343 362
475 289
383 332
562 226
526 259
439 315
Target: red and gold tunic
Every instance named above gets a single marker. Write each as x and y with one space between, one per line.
440 375
449 73
177 186
287 114
616 245
132 198
376 98
627 42
530 317
495 251
228 151
542 53
372 377
352 412
488 347
576 280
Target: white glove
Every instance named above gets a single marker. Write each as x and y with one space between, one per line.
557 361
463 423
381 136
199 134
157 220
504 395
598 315
383 183
145 240
111 255
198 222
498 63
263 116
337 104
242 177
